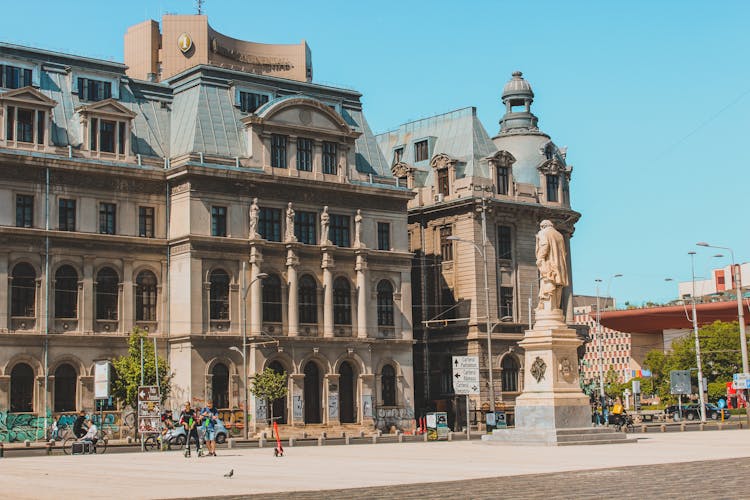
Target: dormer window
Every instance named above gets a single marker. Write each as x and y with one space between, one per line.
94 90
26 114
398 155
107 136
553 185
106 126
421 151
503 180
445 172
13 77
443 182
250 101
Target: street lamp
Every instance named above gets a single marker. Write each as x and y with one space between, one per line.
697 341
243 327
599 336
737 275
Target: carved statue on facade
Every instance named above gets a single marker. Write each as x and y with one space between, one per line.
253 219
289 236
325 220
358 229
551 259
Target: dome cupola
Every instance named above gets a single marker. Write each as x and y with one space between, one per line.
517 97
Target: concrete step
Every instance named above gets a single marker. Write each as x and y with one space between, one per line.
611 436
602 441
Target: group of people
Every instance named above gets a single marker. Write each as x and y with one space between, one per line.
194 420
84 429
605 416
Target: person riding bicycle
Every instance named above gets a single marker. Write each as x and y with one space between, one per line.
79 425
188 419
90 434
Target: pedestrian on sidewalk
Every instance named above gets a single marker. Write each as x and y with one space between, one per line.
210 414
188 421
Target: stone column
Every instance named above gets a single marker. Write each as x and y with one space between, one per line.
85 392
161 316
86 307
4 391
4 303
127 309
331 387
328 267
397 315
298 403
362 294
406 307
256 321
367 405
291 270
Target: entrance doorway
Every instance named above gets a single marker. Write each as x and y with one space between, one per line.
279 406
347 413
312 393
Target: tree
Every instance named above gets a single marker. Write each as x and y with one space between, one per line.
270 386
127 376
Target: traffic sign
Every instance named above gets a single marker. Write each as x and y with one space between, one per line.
741 380
465 374
679 382
149 409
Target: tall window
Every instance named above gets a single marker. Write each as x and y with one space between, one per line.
420 151
13 77
272 299
250 101
329 158
388 385
385 303
443 182
506 301
107 287
66 380
503 180
340 229
146 222
66 215
107 136
308 300
304 227
278 151
219 295
218 221
66 292
304 154
145 296
384 236
342 302
446 245
23 290
24 210
398 154
553 183
107 218
93 90
269 223
220 385
504 243
510 369
21 388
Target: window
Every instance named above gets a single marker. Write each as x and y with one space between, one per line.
503 180
146 222
66 215
269 223
22 124
218 295
308 300
506 301
93 90
278 151
553 183
388 385
398 155
66 380
66 292
145 296
420 151
510 369
385 303
342 302
339 232
220 385
443 182
250 101
384 236
21 388
12 77
23 291
304 227
329 158
107 218
218 221
304 154
24 210
272 299
107 288
504 243
446 245
107 136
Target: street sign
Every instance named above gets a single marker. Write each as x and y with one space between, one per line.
741 380
636 386
149 409
465 375
679 382
102 380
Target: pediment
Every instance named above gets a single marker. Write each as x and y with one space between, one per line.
303 113
502 158
109 107
442 160
401 169
29 96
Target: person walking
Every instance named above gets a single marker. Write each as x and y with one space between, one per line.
210 414
188 421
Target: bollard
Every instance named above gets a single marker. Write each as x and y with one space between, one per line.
230 443
321 440
663 427
346 439
292 441
400 437
702 427
425 437
261 441
682 427
450 436
375 439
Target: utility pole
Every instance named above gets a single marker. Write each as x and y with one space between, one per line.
697 342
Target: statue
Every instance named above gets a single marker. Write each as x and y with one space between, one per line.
253 216
289 236
358 229
325 220
553 266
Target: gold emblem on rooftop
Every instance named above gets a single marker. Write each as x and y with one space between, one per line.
185 43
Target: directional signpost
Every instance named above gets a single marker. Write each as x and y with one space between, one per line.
149 411
466 381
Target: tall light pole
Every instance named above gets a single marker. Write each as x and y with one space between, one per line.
737 275
599 335
243 328
697 341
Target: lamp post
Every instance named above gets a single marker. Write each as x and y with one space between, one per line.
737 275
599 335
243 328
697 341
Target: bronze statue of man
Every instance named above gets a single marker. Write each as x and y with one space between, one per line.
551 259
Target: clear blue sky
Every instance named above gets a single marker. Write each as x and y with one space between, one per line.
652 99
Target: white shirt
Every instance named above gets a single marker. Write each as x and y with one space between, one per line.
90 434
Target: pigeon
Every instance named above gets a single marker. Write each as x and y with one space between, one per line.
229 474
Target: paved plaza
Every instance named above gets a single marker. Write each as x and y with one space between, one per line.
473 470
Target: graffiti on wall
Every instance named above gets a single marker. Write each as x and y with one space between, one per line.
16 427
233 420
401 418
20 427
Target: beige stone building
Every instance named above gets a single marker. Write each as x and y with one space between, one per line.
126 199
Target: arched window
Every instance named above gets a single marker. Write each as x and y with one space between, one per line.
107 285
65 388
308 300
21 388
388 385
278 407
66 292
23 290
145 296
385 303
510 368
219 295
220 385
272 299
342 302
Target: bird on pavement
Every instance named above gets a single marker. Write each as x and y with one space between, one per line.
229 474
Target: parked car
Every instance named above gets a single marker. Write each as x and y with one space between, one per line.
692 411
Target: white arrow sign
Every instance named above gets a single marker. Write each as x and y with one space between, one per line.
465 374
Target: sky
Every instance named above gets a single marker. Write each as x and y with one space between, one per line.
651 98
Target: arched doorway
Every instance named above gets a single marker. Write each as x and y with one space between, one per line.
312 393
388 386
220 385
347 412
66 380
21 388
279 406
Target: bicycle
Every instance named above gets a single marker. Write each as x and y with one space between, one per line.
98 448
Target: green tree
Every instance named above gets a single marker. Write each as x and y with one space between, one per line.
127 376
270 386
